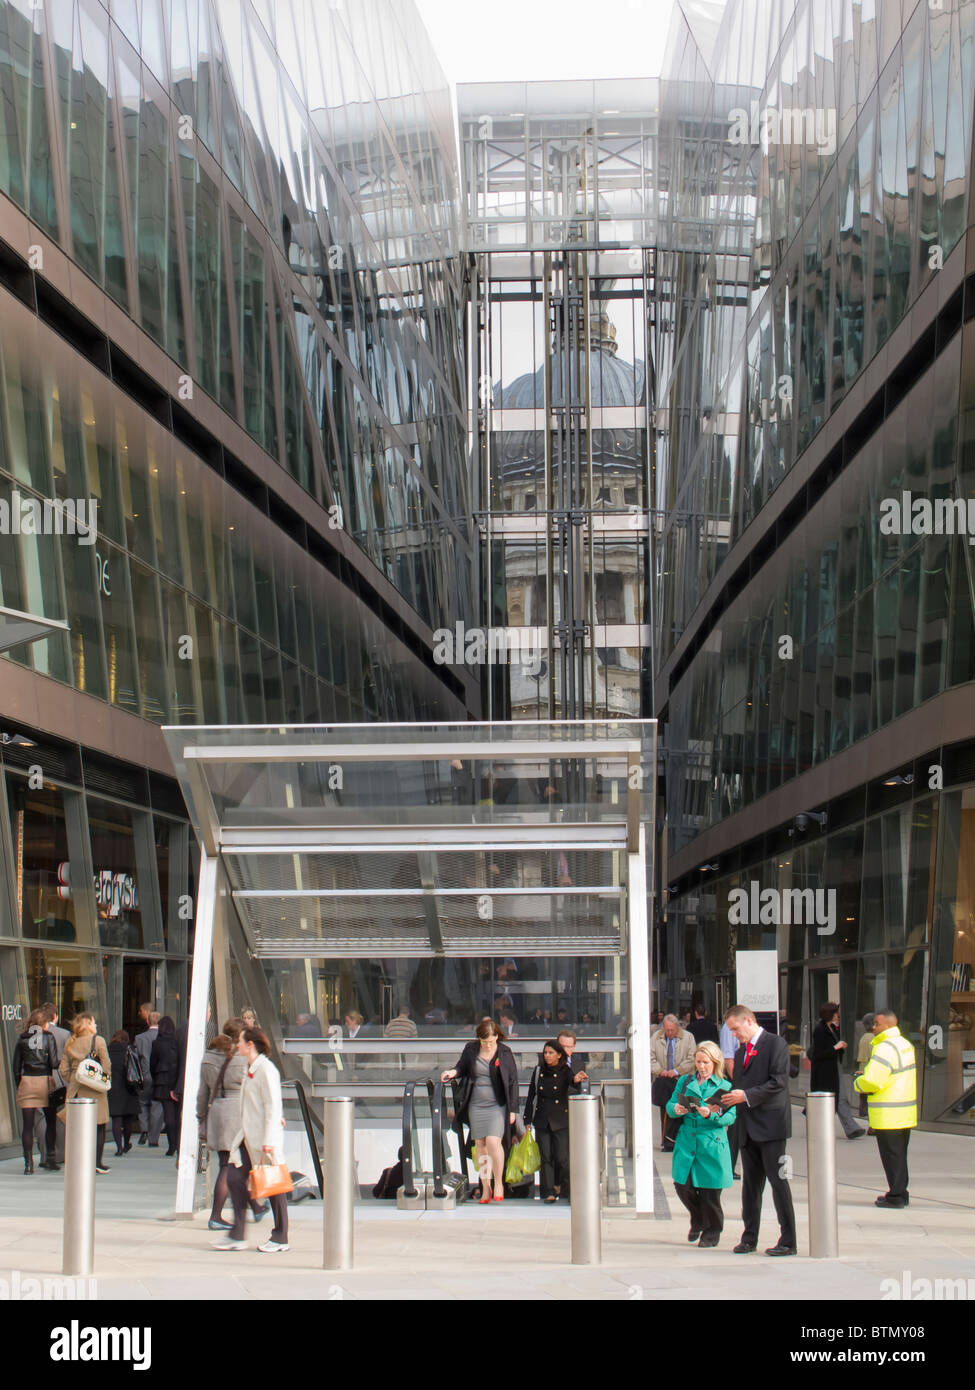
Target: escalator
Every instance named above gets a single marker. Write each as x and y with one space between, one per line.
435 1172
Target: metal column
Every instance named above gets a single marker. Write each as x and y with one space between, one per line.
824 1239
584 1169
340 1184
78 1248
638 943
189 1142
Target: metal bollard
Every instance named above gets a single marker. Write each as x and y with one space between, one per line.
339 1177
78 1250
584 1180
824 1240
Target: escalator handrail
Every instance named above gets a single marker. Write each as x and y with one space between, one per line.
458 1129
409 1185
437 1101
308 1121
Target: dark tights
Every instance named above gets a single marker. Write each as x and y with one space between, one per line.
27 1132
122 1130
171 1121
100 1146
221 1189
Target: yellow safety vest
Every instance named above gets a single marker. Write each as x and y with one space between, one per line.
889 1081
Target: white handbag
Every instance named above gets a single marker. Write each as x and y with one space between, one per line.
91 1076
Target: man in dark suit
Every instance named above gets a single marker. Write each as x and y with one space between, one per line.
764 1123
701 1028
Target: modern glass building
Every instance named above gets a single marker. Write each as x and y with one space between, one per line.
816 642
232 312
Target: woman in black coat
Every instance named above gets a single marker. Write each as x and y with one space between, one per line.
164 1070
35 1062
824 1074
547 1108
487 1102
123 1103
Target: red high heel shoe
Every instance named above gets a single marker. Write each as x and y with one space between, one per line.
499 1199
485 1197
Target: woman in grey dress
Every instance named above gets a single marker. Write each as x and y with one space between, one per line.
488 1103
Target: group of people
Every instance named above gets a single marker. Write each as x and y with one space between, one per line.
139 1080
240 1114
487 1102
719 1105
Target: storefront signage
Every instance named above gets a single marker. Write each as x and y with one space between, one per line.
12 1011
113 892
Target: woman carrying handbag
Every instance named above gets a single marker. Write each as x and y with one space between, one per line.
256 1144
35 1062
87 1072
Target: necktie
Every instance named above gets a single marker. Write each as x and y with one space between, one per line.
749 1053
670 1054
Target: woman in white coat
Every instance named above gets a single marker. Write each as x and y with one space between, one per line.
258 1138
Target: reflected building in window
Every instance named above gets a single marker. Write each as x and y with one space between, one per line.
815 649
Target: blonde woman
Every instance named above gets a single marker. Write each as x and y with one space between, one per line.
85 1041
702 1157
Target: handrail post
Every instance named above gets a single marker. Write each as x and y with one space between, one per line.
80 1141
824 1240
584 1179
339 1203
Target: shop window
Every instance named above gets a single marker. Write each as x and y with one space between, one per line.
42 862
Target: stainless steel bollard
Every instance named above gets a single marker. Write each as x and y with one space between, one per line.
824 1239
339 1179
78 1251
584 1180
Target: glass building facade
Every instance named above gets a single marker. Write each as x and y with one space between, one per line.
233 320
815 660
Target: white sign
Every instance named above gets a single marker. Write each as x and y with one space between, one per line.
758 980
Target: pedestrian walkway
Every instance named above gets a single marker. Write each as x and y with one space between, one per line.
521 1251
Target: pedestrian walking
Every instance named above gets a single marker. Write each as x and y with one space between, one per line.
702 1159
150 1110
487 1102
86 1042
702 1028
761 1094
547 1109
671 1057
864 1048
824 1054
889 1081
123 1098
257 1139
218 1114
164 1069
35 1075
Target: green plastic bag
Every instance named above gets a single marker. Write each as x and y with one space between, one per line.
524 1160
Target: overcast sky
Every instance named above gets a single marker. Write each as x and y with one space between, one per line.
521 40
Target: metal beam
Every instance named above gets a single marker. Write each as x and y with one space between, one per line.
411 752
639 1036
189 1140
374 839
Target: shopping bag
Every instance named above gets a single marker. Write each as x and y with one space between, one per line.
524 1160
267 1180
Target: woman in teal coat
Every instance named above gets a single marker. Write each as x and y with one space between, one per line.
702 1158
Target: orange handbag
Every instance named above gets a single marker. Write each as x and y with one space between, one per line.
268 1180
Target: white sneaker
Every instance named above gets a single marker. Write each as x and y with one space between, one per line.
229 1245
271 1247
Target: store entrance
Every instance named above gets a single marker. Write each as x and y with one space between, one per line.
138 987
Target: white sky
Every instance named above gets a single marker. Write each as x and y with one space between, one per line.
523 40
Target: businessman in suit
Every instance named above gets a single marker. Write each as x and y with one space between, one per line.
764 1123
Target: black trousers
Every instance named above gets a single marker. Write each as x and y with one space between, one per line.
892 1144
553 1146
760 1162
122 1130
171 1121
704 1205
239 1195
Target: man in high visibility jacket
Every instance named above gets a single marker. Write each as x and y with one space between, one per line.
889 1081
